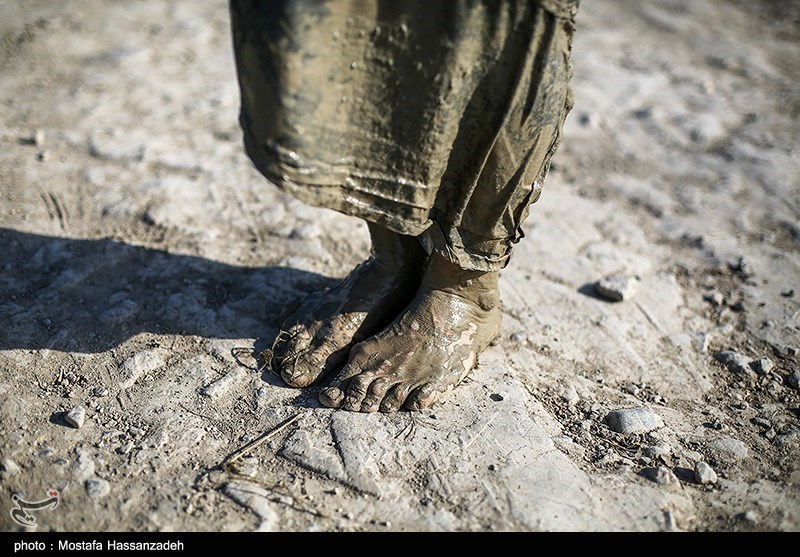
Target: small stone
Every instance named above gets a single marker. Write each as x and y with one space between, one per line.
692 455
497 397
734 361
125 449
761 422
727 448
662 476
704 474
616 287
634 420
794 379
632 389
224 383
518 337
139 364
9 468
97 487
762 366
38 138
715 297
100 391
788 439
701 341
749 516
76 416
83 469
662 449
570 396
42 156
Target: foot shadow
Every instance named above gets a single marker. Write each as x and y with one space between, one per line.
89 296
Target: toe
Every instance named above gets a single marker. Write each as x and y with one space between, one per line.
376 393
395 397
423 397
332 397
357 390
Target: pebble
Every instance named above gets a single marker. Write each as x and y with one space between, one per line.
662 476
570 396
749 516
38 138
10 468
734 361
715 297
662 449
518 337
794 379
97 487
766 424
634 420
762 366
125 449
726 448
616 287
76 416
83 469
632 389
704 474
223 384
788 439
137 365
100 391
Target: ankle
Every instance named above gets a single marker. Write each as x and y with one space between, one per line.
478 287
395 252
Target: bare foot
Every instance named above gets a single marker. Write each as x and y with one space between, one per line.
318 335
427 350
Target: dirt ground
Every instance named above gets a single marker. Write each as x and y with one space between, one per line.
144 261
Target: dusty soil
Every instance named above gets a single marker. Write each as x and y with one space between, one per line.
144 261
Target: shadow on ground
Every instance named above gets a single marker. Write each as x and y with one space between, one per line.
91 295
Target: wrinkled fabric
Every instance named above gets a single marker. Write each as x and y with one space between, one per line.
426 117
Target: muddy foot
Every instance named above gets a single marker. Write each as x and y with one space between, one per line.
317 336
427 350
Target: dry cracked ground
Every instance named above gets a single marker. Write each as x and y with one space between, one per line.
144 261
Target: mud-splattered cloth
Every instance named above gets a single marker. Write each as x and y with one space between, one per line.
424 116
